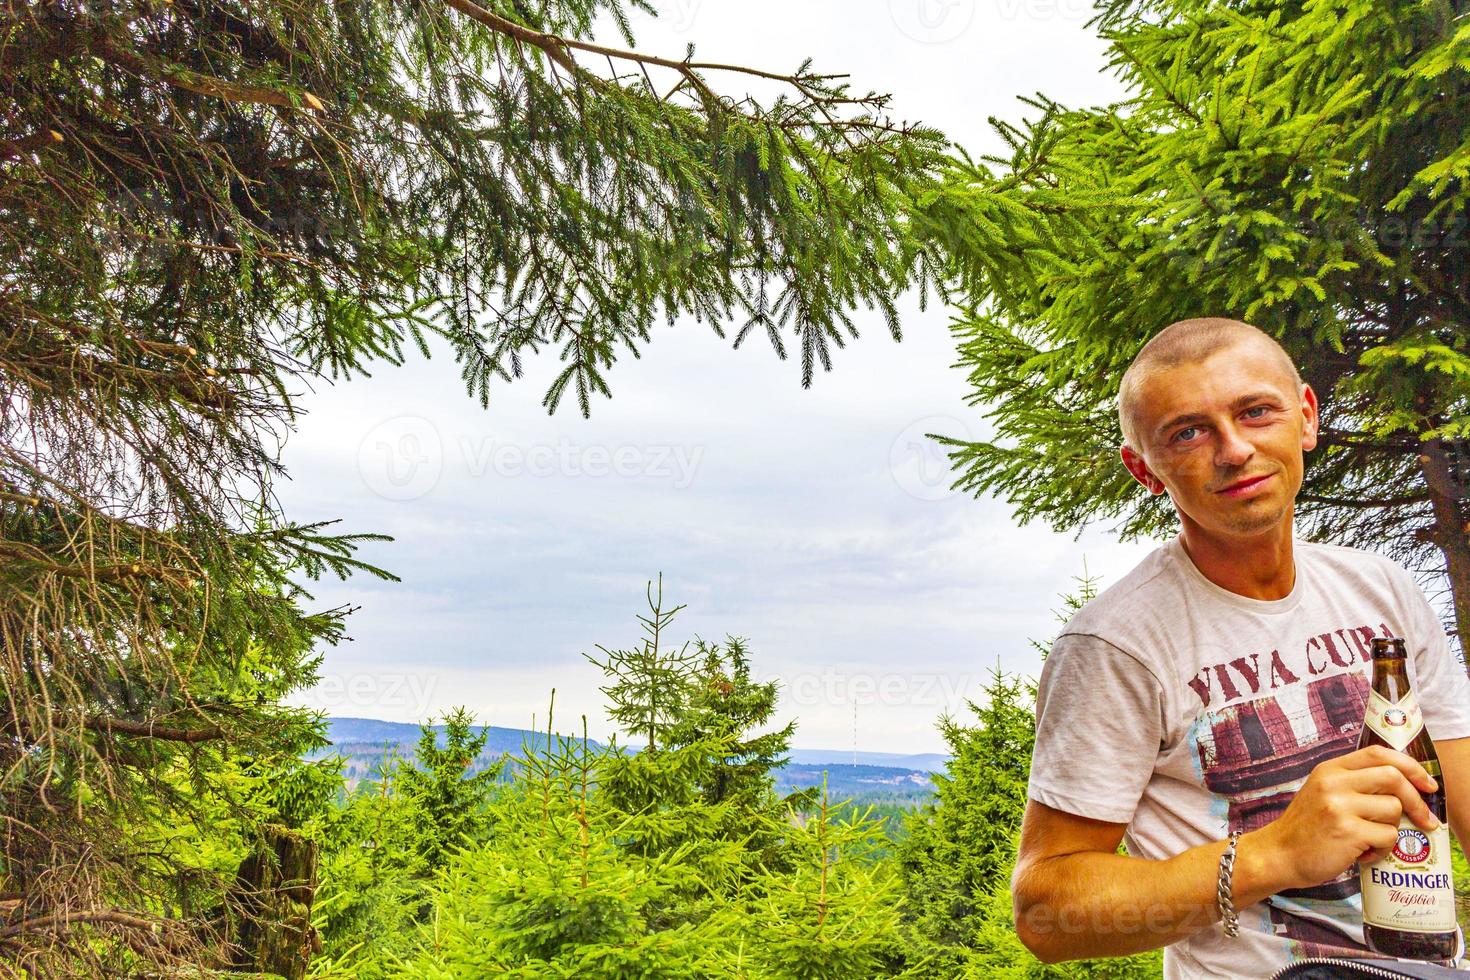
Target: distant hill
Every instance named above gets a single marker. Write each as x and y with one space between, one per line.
926 761
860 783
369 730
890 776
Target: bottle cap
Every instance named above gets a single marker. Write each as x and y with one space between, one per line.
1389 648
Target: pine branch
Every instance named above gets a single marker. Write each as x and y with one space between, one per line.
147 729
16 148
63 920
146 66
811 86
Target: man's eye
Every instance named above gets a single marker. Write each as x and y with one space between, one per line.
1257 412
1185 435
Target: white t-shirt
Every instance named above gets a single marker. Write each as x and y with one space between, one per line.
1187 711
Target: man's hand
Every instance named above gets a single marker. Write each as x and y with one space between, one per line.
1074 897
1348 810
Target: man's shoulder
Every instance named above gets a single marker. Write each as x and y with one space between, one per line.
1343 561
1143 589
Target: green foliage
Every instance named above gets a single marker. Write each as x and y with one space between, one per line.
374 879
696 709
567 888
675 861
721 701
209 205
960 849
832 912
385 846
560 894
1461 869
1301 167
451 801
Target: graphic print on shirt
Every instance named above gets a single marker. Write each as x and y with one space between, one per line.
1266 721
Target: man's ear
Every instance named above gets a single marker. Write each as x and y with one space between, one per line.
1311 419
1140 470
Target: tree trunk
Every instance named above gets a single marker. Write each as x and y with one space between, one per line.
275 889
1447 495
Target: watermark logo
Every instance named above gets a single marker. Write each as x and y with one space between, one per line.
919 464
363 693
932 21
675 464
888 689
401 458
679 14
1045 9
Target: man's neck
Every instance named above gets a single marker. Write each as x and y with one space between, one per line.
1257 567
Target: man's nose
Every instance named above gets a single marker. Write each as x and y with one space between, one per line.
1232 450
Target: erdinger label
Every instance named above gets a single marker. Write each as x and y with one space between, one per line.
1398 722
1413 888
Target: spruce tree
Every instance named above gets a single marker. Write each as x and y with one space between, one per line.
452 802
207 206
700 712
649 684
374 885
385 846
960 850
722 699
1302 167
961 846
558 891
835 913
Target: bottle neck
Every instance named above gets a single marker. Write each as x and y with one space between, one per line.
1391 676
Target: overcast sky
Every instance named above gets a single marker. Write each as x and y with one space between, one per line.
815 523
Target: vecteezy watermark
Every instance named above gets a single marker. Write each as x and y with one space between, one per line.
1078 10
932 21
679 14
887 688
1152 918
349 693
675 463
919 464
1291 241
401 458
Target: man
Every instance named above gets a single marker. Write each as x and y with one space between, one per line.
1220 687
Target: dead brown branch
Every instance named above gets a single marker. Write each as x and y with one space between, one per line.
148 729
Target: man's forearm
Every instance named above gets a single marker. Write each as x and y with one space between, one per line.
1454 760
1090 904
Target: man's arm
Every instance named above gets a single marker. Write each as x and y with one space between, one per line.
1454 759
1075 897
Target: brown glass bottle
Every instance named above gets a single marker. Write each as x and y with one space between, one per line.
1412 887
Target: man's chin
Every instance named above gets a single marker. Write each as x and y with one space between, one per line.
1248 524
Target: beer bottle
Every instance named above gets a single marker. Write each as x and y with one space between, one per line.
1409 896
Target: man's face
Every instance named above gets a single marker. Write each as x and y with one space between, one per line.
1225 437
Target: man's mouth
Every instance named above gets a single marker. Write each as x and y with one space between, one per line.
1244 486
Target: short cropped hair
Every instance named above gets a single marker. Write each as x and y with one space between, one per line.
1187 342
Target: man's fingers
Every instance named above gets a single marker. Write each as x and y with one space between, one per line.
1379 755
1385 808
1380 838
1386 782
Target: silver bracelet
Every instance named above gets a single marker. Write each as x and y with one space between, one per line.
1222 888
